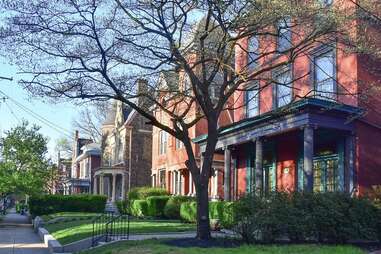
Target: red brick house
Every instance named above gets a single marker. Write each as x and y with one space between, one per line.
316 133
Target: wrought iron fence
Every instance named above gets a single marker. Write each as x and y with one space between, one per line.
110 227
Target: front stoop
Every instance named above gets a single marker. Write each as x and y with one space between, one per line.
111 207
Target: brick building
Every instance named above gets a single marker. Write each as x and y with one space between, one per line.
316 133
85 159
126 152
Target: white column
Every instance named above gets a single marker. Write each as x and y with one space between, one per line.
95 188
101 185
215 184
113 194
190 184
123 186
227 171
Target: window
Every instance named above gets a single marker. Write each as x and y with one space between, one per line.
324 74
252 100
284 34
163 136
177 183
283 86
252 52
179 144
162 178
187 84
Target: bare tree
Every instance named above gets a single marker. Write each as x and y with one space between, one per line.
96 50
90 119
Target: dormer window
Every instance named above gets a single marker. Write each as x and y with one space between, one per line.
284 34
252 52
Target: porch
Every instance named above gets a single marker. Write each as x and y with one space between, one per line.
308 147
110 182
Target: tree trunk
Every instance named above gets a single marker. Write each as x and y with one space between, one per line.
203 225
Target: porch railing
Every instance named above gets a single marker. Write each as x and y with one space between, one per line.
110 227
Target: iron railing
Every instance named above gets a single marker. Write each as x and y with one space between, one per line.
110 227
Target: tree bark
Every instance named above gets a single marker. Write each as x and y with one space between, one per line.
203 225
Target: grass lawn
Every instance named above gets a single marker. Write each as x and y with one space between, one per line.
48 217
67 232
160 247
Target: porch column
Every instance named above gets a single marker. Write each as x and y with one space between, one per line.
190 184
349 156
259 166
227 170
113 187
101 185
308 151
215 184
123 186
95 188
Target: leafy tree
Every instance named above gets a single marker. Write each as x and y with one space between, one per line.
95 50
24 168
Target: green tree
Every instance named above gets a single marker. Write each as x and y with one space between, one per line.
24 168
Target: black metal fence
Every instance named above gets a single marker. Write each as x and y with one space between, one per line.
110 227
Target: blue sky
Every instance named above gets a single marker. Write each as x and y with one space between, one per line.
61 114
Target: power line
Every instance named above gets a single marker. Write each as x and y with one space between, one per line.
39 117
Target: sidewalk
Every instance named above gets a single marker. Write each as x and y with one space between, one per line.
17 236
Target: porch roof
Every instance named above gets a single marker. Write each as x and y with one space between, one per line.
295 107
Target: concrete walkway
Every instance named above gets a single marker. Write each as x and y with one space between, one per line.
17 236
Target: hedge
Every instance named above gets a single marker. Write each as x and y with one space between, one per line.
139 208
218 210
145 192
172 208
47 204
122 206
324 217
156 205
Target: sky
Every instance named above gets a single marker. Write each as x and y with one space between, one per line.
11 113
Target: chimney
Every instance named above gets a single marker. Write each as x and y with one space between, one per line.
76 135
142 88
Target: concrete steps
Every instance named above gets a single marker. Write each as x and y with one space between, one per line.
111 207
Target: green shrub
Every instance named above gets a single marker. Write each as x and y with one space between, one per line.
188 211
156 205
325 217
46 204
145 192
172 208
221 211
122 206
139 208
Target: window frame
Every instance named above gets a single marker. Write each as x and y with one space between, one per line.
319 52
279 26
253 64
252 84
275 75
163 144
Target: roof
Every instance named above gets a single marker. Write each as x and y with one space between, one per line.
293 108
92 149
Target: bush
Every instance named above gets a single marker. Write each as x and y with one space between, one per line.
46 204
220 211
156 205
325 217
145 192
188 211
139 208
122 207
172 208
